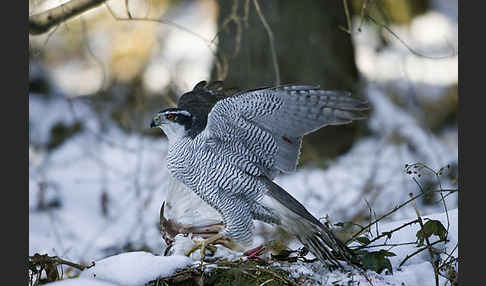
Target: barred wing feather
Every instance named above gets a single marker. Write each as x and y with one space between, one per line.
265 126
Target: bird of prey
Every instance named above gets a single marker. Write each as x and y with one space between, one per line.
227 146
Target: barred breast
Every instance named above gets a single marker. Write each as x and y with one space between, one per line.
212 174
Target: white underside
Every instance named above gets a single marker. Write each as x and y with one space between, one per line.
185 207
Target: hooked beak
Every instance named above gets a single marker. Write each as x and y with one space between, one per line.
156 121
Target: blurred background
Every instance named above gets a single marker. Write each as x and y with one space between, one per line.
97 172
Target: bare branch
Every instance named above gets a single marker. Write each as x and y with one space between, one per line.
417 252
349 29
97 61
210 44
37 53
421 166
429 247
247 13
43 259
414 52
386 233
272 44
161 21
238 21
128 10
43 22
363 9
389 213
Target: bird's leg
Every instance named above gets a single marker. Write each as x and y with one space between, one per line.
254 252
272 245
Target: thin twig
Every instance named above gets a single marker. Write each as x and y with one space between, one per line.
444 197
417 252
290 282
44 45
449 255
363 9
247 13
429 247
444 203
237 20
128 10
271 39
266 282
210 44
38 259
387 233
410 49
233 17
161 21
371 215
93 56
386 244
97 135
387 214
74 265
348 30
437 174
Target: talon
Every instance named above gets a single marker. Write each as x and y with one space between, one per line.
203 245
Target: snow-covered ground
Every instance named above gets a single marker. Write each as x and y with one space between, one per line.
102 189
139 268
130 171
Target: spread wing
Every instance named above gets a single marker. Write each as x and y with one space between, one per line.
263 128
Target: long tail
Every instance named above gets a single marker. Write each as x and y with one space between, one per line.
311 233
325 246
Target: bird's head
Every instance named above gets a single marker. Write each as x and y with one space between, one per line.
175 122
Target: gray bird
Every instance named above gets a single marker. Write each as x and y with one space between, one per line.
228 146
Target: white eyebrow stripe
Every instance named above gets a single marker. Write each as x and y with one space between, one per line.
183 112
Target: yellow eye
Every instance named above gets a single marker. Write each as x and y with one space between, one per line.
170 117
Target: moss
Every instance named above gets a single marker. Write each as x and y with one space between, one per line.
245 275
249 273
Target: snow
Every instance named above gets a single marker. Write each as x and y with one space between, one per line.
416 274
77 173
81 282
408 234
131 170
433 35
135 268
416 271
128 269
138 268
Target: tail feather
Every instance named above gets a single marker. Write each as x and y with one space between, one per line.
318 238
316 247
326 247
